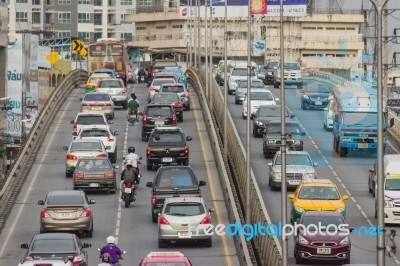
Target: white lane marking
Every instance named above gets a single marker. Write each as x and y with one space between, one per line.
33 181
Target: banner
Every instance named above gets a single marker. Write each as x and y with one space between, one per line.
291 8
258 7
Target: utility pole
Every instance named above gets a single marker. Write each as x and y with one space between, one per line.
385 52
198 36
248 124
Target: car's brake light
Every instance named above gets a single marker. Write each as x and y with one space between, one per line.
187 95
110 139
75 127
71 157
77 260
198 195
153 200
178 105
186 151
86 213
102 155
109 175
121 84
153 89
206 220
174 119
148 150
78 175
85 104
128 184
144 119
44 214
163 220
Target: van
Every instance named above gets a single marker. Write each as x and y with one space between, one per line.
238 71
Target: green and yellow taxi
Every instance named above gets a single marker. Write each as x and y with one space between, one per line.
92 81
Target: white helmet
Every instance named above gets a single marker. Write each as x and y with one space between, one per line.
110 240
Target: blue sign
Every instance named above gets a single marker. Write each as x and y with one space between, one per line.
260 46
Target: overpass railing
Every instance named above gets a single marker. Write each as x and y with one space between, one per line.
267 248
11 185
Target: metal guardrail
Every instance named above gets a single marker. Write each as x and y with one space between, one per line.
11 186
267 248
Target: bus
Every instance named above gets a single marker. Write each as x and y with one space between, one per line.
109 53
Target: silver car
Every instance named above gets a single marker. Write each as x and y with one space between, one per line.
299 167
98 103
180 89
156 84
116 89
184 219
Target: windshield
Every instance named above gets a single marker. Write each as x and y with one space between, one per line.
161 65
271 111
184 209
362 119
323 220
272 64
253 84
96 97
392 184
64 200
110 84
169 263
86 146
262 96
291 66
176 177
319 193
159 82
159 111
93 165
239 72
318 87
166 138
53 245
295 159
94 133
241 91
175 89
90 120
274 128
170 98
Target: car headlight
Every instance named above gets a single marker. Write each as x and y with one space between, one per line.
259 123
346 139
269 73
271 141
342 209
309 175
306 97
297 142
389 204
345 241
298 209
276 175
302 240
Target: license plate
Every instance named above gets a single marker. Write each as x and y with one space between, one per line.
363 145
159 123
167 159
128 190
318 103
294 182
96 108
324 251
94 185
184 234
65 215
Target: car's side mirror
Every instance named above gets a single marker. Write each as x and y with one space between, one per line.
116 166
345 197
86 245
202 183
116 133
303 133
188 138
277 99
25 246
149 184
140 113
211 210
391 122
269 164
108 147
291 196
40 202
72 121
75 134
65 148
371 170
92 201
292 116
110 121
315 164
148 100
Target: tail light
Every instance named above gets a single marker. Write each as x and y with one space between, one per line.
174 119
109 175
79 175
178 105
108 104
44 214
148 150
101 155
206 220
144 119
85 104
124 91
163 220
110 139
153 200
153 89
186 151
71 157
198 195
186 95
86 213
128 184
75 127
77 260
98 84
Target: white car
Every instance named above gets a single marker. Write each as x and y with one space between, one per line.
328 115
156 85
258 97
103 133
89 118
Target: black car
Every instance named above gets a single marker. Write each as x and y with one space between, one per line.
264 114
372 178
315 95
173 181
172 99
167 145
270 68
272 137
62 245
157 115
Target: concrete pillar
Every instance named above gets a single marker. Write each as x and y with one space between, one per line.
3 71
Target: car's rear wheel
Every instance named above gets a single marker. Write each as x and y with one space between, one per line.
89 233
186 162
68 174
276 85
181 118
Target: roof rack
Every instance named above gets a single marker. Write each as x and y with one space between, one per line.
166 254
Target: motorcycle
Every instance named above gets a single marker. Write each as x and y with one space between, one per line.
129 192
114 264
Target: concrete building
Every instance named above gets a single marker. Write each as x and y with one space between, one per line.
86 19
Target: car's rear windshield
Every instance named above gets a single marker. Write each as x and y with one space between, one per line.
275 128
169 263
90 120
110 84
109 72
271 111
93 165
253 84
159 82
174 88
159 111
318 87
319 193
166 138
86 146
295 159
261 96
176 177
184 209
64 200
94 133
324 221
165 98
161 65
96 97
53 245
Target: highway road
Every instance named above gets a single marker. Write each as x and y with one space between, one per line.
350 174
132 226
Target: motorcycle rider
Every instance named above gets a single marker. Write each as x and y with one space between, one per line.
141 74
115 254
133 157
131 175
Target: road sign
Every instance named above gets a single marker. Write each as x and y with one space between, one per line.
260 46
83 52
53 57
77 45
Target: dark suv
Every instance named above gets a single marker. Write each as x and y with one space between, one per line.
272 137
157 115
167 145
173 181
264 114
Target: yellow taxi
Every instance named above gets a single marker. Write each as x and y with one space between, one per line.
316 195
92 81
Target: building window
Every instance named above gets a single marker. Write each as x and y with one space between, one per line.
97 35
84 2
22 1
98 2
98 19
161 27
84 36
36 2
127 37
145 3
21 17
126 2
63 34
83 18
140 28
177 26
36 17
64 18
64 2
123 20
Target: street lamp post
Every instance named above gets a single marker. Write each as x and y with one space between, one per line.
198 35
206 48
225 82
190 34
211 54
248 96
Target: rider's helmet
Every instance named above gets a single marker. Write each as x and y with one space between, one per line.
105 257
110 240
131 149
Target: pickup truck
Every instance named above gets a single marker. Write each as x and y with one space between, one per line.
172 181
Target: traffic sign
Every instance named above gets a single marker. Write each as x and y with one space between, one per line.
260 46
83 52
77 45
53 57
